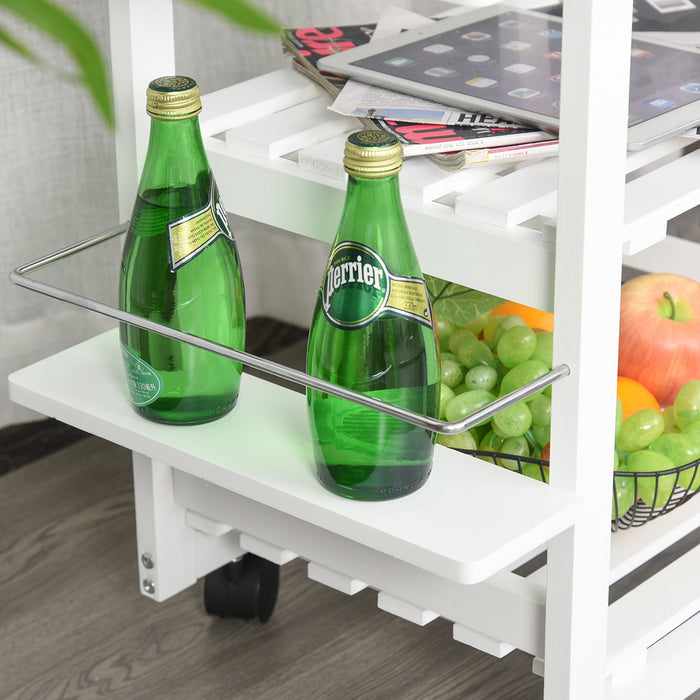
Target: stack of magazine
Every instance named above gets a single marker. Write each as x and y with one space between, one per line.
460 139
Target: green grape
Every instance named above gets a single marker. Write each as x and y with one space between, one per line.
544 348
444 329
541 409
618 417
506 323
473 352
522 374
517 446
457 337
448 356
501 369
623 497
542 434
534 471
669 419
490 327
681 449
512 421
465 404
516 345
491 442
460 441
640 430
655 491
476 325
450 373
445 395
686 407
481 377
693 429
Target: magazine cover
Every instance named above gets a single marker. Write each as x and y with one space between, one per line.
307 44
439 141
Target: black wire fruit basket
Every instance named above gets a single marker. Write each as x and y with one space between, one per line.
637 497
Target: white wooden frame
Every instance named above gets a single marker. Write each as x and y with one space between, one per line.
580 202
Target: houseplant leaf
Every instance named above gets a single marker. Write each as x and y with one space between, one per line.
91 68
241 13
59 24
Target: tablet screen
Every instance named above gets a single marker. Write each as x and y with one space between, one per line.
514 59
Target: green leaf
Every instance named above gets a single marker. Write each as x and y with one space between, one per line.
242 13
18 47
56 22
457 303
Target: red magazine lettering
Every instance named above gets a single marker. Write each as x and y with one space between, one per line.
424 133
323 41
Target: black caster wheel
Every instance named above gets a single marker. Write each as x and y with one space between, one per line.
245 588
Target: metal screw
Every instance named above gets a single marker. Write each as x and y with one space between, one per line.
147 561
149 586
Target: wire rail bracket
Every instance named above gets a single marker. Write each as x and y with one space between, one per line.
20 277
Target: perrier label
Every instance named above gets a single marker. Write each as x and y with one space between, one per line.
358 288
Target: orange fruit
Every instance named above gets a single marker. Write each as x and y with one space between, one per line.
634 397
535 318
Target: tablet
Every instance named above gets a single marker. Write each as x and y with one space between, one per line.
507 62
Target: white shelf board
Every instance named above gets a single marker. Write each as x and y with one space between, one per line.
671 670
309 203
467 523
633 547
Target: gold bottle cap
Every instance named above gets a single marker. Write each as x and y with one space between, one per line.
372 154
173 97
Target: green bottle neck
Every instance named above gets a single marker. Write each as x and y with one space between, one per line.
373 215
371 201
175 158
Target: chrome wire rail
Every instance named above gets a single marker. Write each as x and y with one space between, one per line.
20 276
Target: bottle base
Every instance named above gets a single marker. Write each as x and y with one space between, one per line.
373 483
209 411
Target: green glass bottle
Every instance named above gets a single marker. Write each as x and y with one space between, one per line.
180 268
372 331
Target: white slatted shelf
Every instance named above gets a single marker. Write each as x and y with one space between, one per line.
282 148
433 529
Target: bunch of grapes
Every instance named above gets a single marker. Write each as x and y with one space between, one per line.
664 445
495 354
490 357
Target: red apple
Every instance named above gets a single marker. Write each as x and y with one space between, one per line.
660 333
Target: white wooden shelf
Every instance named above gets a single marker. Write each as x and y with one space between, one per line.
262 451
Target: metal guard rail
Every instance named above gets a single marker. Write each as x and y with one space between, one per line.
20 277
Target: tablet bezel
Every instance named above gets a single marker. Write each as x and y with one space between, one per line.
639 136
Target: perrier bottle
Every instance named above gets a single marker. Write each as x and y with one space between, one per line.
372 331
180 268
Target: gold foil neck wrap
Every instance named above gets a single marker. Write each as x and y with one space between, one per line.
173 97
372 154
